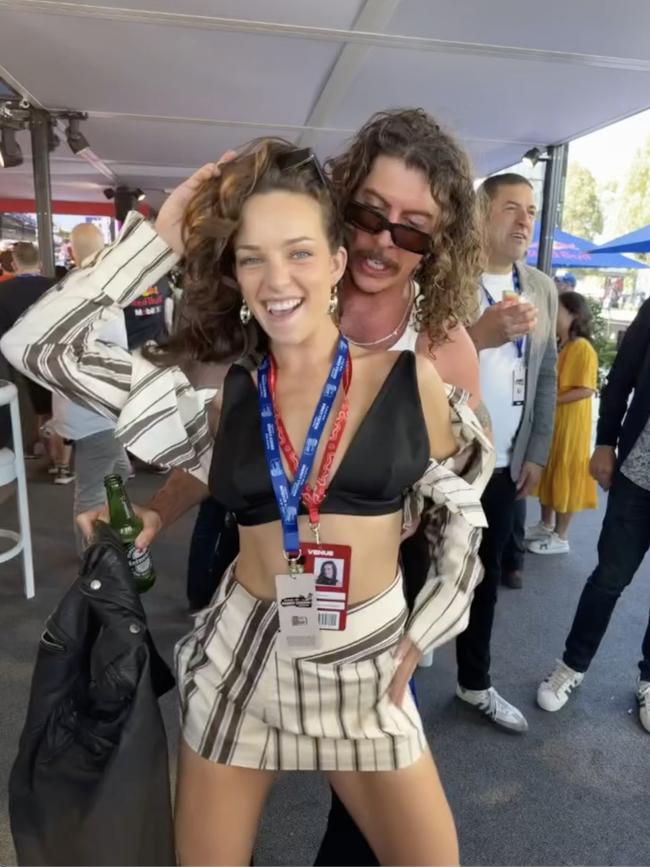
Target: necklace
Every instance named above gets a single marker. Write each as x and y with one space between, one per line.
395 330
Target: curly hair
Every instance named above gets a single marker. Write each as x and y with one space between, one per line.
449 275
208 328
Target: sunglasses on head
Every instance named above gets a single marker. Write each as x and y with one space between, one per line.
373 221
299 159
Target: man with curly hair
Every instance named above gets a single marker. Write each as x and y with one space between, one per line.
401 171
404 188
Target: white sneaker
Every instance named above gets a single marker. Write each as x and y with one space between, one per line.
495 707
537 531
63 476
550 545
643 698
554 691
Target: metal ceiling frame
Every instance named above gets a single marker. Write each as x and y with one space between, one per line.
259 125
89 155
363 35
356 42
373 15
327 34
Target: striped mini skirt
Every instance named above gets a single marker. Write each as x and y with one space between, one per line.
248 702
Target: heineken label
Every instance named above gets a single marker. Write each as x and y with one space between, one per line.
139 561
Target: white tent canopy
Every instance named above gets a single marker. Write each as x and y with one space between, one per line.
169 85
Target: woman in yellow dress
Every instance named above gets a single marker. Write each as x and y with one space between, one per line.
566 486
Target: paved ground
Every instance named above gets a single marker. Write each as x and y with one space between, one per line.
573 791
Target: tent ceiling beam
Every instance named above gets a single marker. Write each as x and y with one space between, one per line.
325 34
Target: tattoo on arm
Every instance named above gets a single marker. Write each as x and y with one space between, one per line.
180 492
482 414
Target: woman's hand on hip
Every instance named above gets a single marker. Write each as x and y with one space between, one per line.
407 657
169 222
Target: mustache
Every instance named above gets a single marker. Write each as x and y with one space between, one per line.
379 255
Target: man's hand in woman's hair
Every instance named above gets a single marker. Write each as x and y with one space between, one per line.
170 219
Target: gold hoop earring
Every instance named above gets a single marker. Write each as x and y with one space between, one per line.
245 313
333 306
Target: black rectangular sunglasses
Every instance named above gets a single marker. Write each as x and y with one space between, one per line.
373 221
302 157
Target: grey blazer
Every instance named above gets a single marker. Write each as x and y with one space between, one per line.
533 439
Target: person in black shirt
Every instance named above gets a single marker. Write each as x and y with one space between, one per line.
145 317
16 295
26 287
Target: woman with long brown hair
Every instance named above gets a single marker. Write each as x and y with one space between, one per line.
566 486
315 448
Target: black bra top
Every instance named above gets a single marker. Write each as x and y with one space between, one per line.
388 453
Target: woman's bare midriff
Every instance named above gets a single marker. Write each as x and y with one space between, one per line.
374 542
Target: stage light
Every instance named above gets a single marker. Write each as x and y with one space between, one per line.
534 156
77 141
10 153
53 141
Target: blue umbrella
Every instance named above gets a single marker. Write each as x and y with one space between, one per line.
634 242
569 251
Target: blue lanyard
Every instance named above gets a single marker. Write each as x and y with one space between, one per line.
520 341
288 498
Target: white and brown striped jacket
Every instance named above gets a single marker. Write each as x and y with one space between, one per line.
162 417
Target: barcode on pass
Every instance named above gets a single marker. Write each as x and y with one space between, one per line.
329 619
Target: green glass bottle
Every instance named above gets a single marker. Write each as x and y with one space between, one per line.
128 525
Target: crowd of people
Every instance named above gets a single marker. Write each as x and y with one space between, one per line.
386 277
79 444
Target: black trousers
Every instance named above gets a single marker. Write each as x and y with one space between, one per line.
515 550
473 645
623 543
213 547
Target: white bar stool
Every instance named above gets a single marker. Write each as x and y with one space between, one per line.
12 467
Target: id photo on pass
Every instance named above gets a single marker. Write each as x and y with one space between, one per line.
328 571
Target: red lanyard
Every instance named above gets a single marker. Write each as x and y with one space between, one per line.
313 497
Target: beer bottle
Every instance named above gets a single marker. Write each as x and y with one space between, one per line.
128 525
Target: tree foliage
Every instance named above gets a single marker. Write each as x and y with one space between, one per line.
603 344
582 214
633 199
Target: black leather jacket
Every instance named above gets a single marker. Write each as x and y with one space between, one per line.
90 784
621 420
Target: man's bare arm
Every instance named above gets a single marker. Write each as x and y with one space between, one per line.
180 492
482 414
456 361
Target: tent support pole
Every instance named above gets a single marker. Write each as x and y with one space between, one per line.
42 189
552 201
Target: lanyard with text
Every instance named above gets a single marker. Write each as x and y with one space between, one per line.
313 497
519 342
288 497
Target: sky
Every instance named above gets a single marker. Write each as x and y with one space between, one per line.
609 152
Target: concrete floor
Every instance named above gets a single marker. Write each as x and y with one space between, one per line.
574 790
